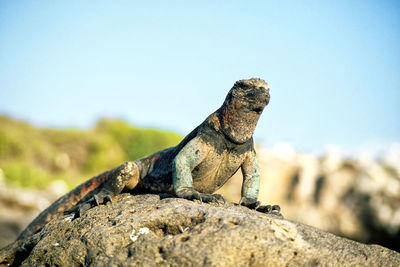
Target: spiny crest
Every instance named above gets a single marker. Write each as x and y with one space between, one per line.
243 87
253 82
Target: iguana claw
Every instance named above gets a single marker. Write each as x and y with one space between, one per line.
212 197
190 194
264 209
107 199
276 208
218 197
256 205
249 202
94 201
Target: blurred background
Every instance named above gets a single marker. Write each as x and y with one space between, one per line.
87 85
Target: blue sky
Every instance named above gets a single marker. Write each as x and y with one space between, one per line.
333 66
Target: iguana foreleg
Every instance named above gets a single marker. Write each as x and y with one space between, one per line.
185 161
251 185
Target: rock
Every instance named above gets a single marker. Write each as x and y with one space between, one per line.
147 230
357 197
19 206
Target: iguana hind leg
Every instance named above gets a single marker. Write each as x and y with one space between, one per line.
123 177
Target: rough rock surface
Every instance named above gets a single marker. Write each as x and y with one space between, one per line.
356 197
146 230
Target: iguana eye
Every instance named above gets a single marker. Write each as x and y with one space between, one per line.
251 95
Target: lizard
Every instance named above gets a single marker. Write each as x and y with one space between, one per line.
194 169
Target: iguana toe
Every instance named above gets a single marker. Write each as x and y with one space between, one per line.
107 199
96 200
276 208
192 196
219 197
92 202
264 209
189 193
207 197
249 202
100 198
82 209
212 197
256 205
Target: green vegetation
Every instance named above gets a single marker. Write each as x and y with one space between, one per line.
33 157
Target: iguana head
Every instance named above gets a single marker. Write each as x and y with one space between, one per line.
242 108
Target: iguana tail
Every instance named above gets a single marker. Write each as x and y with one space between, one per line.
64 203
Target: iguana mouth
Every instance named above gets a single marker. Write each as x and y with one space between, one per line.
257 105
258 110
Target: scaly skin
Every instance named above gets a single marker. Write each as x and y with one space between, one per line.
198 166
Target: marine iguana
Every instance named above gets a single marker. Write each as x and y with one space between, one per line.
194 169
